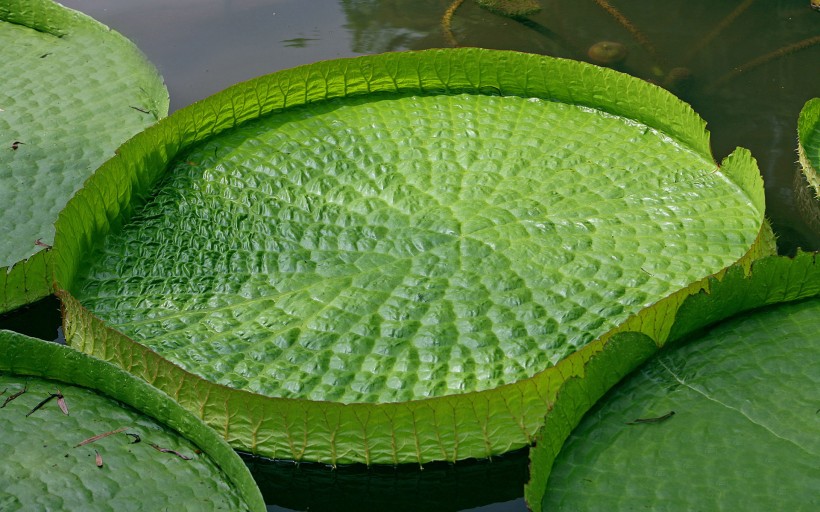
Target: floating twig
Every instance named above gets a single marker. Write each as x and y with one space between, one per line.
764 59
630 27
550 34
140 109
447 21
43 402
725 22
511 8
99 436
168 450
658 419
13 396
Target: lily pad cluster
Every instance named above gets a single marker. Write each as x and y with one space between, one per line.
399 258
382 259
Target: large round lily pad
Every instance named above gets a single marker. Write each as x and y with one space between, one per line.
72 90
420 231
69 444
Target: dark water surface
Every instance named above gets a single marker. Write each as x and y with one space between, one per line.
746 66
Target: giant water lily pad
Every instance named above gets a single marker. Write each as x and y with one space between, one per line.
377 259
807 180
71 91
725 421
100 453
728 421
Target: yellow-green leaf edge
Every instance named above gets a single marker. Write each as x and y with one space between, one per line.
471 425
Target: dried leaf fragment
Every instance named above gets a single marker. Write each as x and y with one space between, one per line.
98 437
168 450
15 395
61 402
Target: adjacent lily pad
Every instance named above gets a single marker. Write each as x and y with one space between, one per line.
384 255
72 91
743 433
88 449
726 421
807 180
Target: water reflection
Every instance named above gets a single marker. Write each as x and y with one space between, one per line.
204 46
391 25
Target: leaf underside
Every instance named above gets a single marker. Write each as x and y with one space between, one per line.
392 232
44 468
71 90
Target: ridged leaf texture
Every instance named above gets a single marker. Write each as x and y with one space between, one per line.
380 257
46 466
71 91
740 392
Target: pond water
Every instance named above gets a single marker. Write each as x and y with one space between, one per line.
746 66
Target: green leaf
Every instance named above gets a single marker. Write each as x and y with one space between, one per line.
72 91
44 468
807 186
750 371
743 395
418 236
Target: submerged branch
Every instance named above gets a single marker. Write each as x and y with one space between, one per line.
447 21
720 27
636 33
764 59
